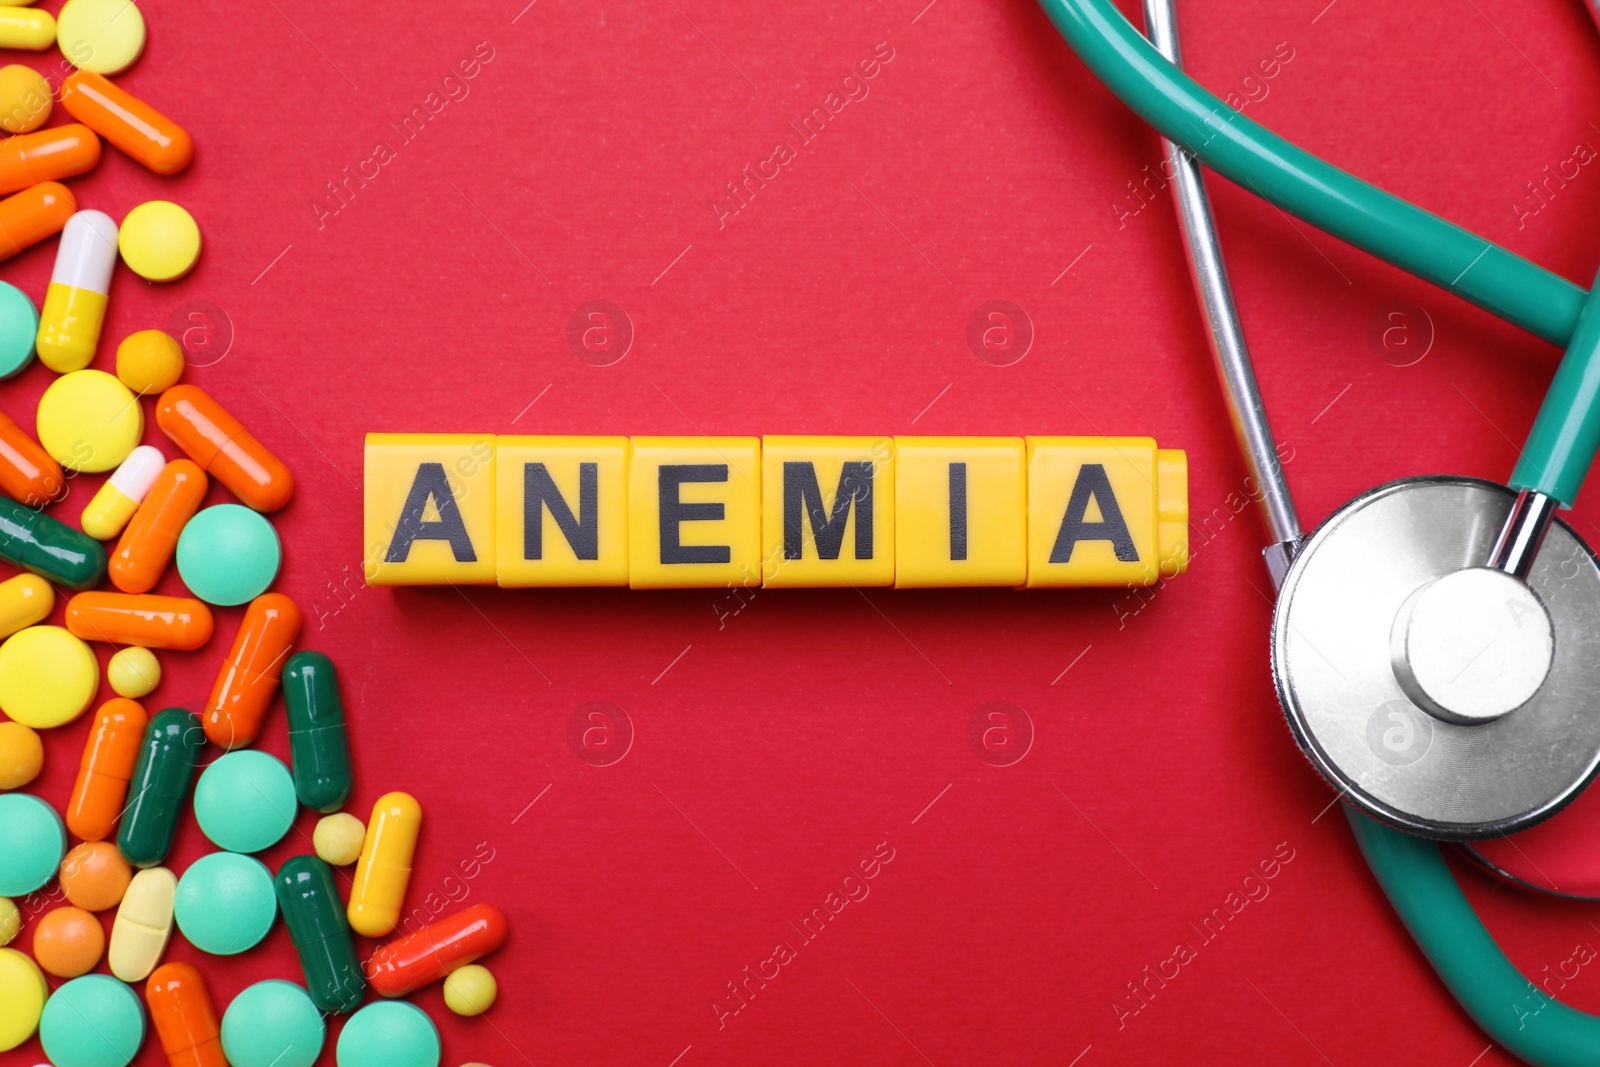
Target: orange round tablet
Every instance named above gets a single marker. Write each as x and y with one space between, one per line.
68 942
94 876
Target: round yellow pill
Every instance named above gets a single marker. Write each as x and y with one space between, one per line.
10 920
337 839
22 996
470 990
133 672
159 241
105 36
25 99
47 677
89 421
150 361
21 756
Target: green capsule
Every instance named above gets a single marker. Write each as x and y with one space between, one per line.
160 785
309 901
318 747
47 547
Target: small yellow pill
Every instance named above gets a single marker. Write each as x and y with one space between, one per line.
88 421
47 677
337 839
159 241
470 990
10 921
150 361
133 672
105 36
21 756
25 99
22 995
32 30
24 600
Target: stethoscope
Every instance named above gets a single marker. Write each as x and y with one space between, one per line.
1436 640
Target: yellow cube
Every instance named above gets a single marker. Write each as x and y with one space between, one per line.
563 511
694 512
827 511
429 507
961 511
1108 511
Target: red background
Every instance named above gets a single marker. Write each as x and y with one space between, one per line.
774 749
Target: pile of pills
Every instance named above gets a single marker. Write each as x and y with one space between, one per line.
141 772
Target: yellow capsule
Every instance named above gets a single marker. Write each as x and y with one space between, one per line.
27 28
119 497
384 868
24 600
75 304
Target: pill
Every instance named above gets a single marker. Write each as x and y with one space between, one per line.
391 1033
224 448
133 672
151 536
10 920
125 121
119 497
143 924
21 755
337 839
94 876
28 473
29 29
159 241
249 676
47 156
24 600
19 321
75 303
23 991
309 900
384 868
228 554
68 942
244 801
319 749
159 786
272 1024
26 218
32 842
48 547
110 753
88 421
105 36
470 990
408 963
93 1021
225 903
143 619
25 99
47 677
185 1019
150 361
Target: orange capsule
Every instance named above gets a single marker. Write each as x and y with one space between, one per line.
408 963
30 216
127 122
249 679
151 536
108 758
140 619
27 473
220 444
46 156
184 1017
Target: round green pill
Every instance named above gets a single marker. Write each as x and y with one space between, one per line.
19 324
389 1033
228 554
32 841
245 801
225 903
93 1021
272 1024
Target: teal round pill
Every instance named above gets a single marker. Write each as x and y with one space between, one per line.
272 1024
244 801
228 554
32 841
225 903
390 1033
19 325
93 1021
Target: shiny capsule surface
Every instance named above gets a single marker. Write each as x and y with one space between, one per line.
224 448
129 123
48 547
142 619
151 536
384 868
319 750
249 676
47 156
80 284
159 787
308 897
184 1017
109 756
37 212
24 600
411 962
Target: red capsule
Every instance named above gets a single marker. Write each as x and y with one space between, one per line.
411 962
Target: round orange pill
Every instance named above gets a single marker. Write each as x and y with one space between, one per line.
68 942
94 876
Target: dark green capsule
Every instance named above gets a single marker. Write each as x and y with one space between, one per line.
160 785
315 916
47 547
318 747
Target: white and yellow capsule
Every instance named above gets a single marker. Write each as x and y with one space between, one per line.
120 496
75 304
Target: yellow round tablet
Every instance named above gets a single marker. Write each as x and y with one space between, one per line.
89 421
470 990
21 756
25 99
150 361
338 839
159 241
22 995
133 672
105 36
47 677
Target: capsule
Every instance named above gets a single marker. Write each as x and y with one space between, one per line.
127 122
75 304
384 868
184 1017
249 677
411 962
30 216
220 444
48 547
159 785
27 472
47 156
143 925
319 749
26 27
109 756
309 900
119 497
147 545
24 600
142 619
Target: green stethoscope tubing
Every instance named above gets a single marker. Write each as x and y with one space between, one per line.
1559 451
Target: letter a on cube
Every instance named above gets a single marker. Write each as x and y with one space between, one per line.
429 509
